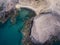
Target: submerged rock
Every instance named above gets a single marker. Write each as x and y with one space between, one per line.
44 27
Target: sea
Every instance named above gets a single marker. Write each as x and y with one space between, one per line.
10 34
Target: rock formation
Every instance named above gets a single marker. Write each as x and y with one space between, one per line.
48 23
44 27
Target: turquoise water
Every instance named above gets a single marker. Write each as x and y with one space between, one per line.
10 34
56 43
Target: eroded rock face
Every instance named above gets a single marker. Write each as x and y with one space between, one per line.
44 26
42 5
8 4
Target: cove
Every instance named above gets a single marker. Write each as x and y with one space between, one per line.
10 34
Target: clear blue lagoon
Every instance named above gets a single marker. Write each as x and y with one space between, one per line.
10 34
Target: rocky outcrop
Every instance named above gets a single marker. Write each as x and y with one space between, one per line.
8 7
41 5
36 5
44 27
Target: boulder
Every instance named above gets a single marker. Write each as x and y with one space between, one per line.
44 27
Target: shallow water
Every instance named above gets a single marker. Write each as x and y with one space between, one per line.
10 34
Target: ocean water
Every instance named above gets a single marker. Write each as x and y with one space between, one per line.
10 34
